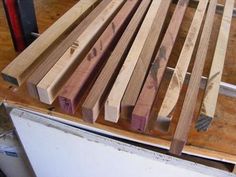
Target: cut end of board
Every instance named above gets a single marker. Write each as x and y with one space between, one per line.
10 79
126 111
177 147
32 90
91 111
138 123
111 113
203 123
44 96
163 123
66 105
88 115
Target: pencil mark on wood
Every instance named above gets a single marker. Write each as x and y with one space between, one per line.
94 52
209 87
101 45
113 27
162 52
89 57
154 69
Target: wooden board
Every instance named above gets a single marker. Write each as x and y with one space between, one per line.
50 85
72 91
21 67
55 55
213 85
177 79
206 145
142 109
94 101
190 101
141 69
112 105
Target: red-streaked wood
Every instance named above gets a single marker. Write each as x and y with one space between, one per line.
49 87
141 69
71 92
142 109
113 101
24 64
96 98
55 55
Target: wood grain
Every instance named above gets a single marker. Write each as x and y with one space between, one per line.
94 101
213 85
142 109
23 65
141 69
177 79
186 115
55 55
50 85
71 92
206 145
112 105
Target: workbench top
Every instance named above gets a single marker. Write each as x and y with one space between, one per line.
219 142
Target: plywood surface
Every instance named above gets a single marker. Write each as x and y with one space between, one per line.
206 143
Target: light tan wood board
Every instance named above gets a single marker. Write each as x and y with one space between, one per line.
50 85
112 105
208 144
186 115
177 80
213 85
21 67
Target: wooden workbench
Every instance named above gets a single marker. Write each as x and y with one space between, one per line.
218 143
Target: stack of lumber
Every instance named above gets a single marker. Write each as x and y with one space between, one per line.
110 58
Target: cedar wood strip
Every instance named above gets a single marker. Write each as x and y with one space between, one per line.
190 100
142 109
71 92
95 99
141 69
50 85
55 55
25 63
177 79
112 104
213 85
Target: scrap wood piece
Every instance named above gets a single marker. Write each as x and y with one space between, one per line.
136 81
142 109
112 105
25 63
213 85
55 55
50 85
190 101
72 91
177 79
96 97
